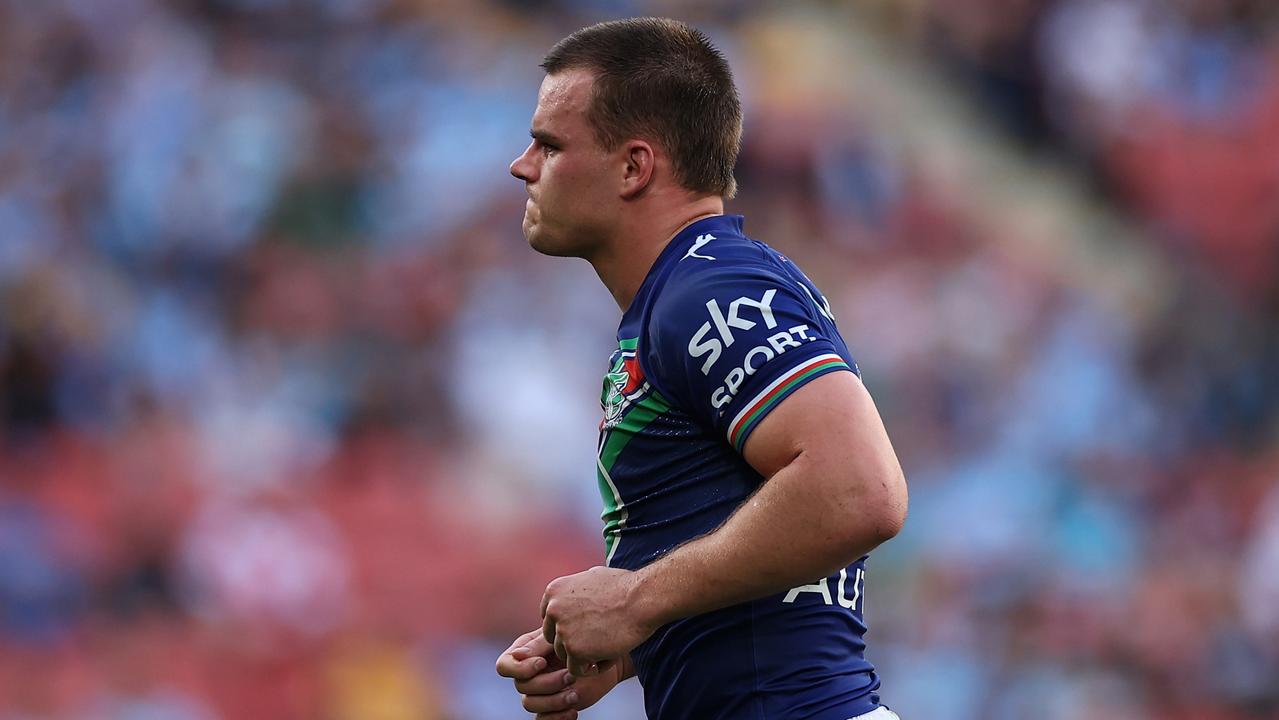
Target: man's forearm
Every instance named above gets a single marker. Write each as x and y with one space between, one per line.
799 526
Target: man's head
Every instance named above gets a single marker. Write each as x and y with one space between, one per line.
625 105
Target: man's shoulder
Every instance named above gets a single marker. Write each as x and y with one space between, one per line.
714 263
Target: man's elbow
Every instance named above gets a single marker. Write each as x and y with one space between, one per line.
880 508
893 507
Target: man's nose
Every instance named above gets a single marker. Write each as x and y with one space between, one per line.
522 167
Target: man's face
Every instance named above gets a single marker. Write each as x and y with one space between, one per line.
568 175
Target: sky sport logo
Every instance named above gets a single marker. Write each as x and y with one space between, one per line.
723 323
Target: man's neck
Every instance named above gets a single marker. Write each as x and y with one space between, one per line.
623 265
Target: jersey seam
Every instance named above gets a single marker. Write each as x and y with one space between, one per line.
670 398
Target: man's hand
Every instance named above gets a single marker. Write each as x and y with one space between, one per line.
546 687
591 618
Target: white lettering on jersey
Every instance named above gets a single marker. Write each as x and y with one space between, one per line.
781 341
820 587
859 584
722 325
750 367
764 305
700 345
841 595
755 359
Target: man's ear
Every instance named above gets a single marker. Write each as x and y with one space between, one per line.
640 165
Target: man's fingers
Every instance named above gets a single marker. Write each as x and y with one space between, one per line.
538 645
562 715
546 683
529 655
509 666
548 630
551 703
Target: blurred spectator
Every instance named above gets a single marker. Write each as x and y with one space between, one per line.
41 582
268 561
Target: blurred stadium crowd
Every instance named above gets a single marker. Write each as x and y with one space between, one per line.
294 425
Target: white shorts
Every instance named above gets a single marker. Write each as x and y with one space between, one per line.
879 713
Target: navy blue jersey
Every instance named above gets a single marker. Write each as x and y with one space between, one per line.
722 330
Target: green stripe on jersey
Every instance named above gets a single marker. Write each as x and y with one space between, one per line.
638 415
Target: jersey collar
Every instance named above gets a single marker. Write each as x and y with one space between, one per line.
685 240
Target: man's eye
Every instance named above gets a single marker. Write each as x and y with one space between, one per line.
548 149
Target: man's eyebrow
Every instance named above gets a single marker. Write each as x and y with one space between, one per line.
544 137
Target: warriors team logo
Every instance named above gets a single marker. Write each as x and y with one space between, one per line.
623 385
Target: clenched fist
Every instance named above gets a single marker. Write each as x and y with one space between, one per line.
593 617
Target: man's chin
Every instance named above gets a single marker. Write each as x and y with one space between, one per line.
547 244
549 249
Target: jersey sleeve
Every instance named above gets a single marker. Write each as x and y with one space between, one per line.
731 343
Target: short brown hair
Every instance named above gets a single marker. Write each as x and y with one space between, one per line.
662 79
